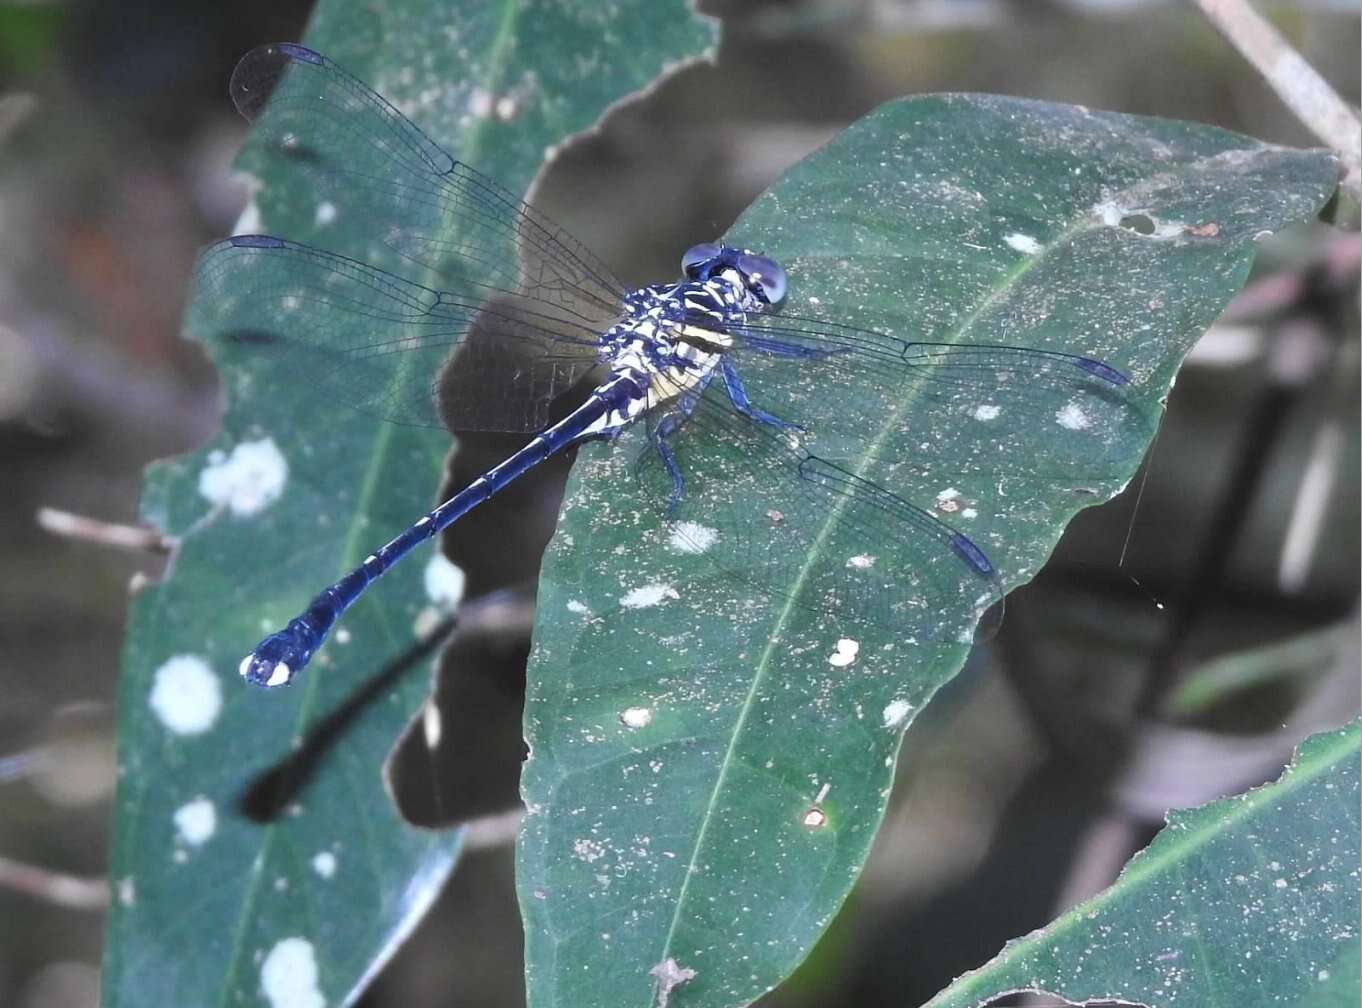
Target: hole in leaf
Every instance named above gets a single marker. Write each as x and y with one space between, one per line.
1139 223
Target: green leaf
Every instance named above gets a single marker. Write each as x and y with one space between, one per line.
707 771
1247 900
211 905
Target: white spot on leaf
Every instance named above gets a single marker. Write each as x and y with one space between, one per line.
326 212
1072 416
692 537
196 821
1109 212
288 976
987 412
588 850
1023 243
324 864
186 695
636 717
480 103
427 621
895 711
648 595
247 480
845 654
861 561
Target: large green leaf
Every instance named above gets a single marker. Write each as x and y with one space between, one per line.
709 764
213 906
1247 900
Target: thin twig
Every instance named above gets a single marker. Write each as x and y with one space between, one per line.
18 765
1296 82
15 108
130 537
76 891
497 830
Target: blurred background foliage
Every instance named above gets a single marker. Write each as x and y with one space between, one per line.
1183 638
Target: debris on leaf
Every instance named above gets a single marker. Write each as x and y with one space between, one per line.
669 975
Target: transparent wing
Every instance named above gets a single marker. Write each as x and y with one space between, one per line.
376 342
516 293
949 408
760 509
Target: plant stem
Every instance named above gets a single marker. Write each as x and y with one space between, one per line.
1296 82
75 891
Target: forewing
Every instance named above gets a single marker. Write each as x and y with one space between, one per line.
945 408
499 265
375 341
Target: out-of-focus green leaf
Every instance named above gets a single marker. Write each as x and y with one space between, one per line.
1251 900
29 35
1301 658
709 764
212 906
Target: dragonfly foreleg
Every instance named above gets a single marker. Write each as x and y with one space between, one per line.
738 396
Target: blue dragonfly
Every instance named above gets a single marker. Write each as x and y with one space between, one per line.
472 310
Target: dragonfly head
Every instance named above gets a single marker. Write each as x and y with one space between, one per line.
762 278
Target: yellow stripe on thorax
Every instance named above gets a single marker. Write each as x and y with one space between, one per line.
672 382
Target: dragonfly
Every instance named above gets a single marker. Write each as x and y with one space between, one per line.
472 310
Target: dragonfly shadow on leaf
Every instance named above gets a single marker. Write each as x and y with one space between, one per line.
269 794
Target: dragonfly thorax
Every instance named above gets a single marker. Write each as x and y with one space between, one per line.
671 339
675 328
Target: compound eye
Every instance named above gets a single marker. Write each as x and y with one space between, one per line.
763 275
696 256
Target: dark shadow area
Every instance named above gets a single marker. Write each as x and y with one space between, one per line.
465 763
268 796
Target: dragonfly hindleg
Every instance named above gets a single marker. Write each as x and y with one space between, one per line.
663 429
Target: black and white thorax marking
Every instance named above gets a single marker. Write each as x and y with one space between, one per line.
672 339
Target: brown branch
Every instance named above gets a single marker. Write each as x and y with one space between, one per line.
1296 82
93 530
75 891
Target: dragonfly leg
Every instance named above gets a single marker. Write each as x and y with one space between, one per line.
738 396
664 428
